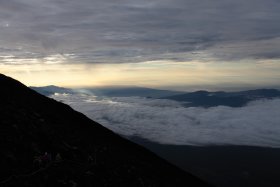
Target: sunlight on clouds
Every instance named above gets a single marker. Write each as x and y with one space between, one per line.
50 59
13 60
54 59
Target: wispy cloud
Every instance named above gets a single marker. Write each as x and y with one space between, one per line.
167 122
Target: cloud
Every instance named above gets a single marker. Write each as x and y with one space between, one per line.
117 31
167 122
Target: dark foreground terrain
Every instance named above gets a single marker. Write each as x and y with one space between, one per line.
224 166
47 143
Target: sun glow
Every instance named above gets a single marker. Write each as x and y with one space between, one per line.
152 73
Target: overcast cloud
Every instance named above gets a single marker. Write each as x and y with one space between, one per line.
167 122
114 31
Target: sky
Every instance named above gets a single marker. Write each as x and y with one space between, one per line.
178 44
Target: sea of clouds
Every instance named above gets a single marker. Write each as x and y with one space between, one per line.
168 122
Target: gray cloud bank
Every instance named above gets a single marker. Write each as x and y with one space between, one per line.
167 122
95 31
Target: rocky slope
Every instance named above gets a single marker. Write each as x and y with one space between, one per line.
79 152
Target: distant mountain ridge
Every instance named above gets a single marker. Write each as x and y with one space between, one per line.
232 99
50 90
118 91
192 99
32 125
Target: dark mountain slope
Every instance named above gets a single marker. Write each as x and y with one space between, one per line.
32 124
224 165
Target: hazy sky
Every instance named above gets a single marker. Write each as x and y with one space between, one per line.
155 43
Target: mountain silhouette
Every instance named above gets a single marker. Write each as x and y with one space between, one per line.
109 91
47 143
231 99
50 90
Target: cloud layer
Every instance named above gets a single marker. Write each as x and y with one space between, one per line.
114 31
167 122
